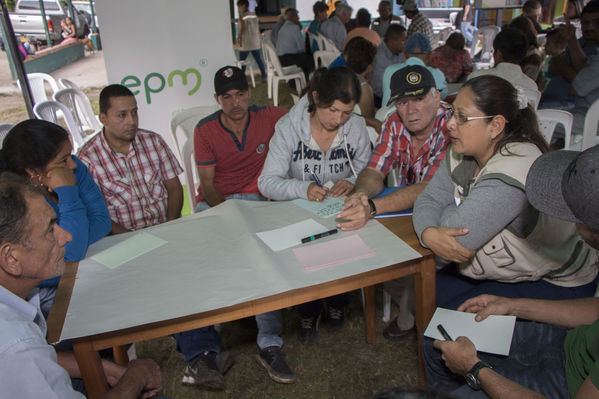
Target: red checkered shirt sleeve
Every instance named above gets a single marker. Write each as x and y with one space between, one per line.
384 156
168 163
203 152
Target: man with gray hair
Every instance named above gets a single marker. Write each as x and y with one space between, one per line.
290 44
334 27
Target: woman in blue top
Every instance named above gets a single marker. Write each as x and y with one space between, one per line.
41 151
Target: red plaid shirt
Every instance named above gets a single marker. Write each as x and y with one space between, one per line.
394 149
454 69
133 184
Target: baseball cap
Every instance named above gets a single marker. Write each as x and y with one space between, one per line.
409 5
411 81
565 185
417 43
228 78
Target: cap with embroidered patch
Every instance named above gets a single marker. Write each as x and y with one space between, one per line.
228 78
411 81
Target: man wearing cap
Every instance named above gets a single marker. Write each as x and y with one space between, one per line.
419 23
230 148
413 140
418 50
554 349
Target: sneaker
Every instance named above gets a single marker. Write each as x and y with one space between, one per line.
272 359
393 333
336 320
308 331
207 370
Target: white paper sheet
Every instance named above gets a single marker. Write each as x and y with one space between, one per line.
492 335
329 207
290 236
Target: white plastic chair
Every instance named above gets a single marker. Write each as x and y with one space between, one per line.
548 120
533 96
37 82
53 111
4 129
184 121
444 34
327 44
324 58
191 176
591 120
278 73
248 64
65 83
486 52
78 103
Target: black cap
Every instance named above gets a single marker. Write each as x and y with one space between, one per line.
411 81
228 78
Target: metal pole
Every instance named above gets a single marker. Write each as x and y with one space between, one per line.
45 22
91 7
9 34
71 11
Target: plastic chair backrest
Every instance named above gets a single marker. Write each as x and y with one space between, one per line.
65 83
4 129
488 33
589 135
81 108
273 59
327 44
383 112
266 35
37 82
186 120
549 118
190 173
533 96
52 111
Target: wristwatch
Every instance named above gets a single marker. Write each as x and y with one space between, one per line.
472 375
372 208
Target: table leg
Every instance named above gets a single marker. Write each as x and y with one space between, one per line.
120 355
91 369
424 303
370 314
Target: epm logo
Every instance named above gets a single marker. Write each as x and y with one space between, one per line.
155 82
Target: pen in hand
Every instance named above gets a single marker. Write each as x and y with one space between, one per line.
444 332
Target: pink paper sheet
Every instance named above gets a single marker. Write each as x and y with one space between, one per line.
332 252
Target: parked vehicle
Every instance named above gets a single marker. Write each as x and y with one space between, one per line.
27 20
86 9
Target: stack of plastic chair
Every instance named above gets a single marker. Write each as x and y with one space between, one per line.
37 83
81 109
4 129
53 111
550 118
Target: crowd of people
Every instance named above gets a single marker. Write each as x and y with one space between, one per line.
514 225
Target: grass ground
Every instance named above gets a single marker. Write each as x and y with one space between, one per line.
337 365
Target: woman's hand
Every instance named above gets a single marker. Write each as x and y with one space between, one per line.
58 177
341 188
441 240
316 193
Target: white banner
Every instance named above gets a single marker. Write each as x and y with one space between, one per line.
166 52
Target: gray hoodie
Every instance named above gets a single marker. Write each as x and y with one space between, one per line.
292 151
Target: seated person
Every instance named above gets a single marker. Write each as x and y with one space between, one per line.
452 59
418 50
419 23
70 34
532 63
360 55
319 141
533 10
388 53
290 47
556 355
334 27
510 47
413 141
363 29
555 45
320 15
386 18
474 211
32 249
41 151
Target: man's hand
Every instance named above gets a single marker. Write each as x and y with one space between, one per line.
459 355
356 210
341 188
113 371
316 193
149 372
58 177
486 305
441 240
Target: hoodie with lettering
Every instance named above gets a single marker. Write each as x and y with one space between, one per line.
293 154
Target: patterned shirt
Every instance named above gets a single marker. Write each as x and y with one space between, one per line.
394 149
421 24
454 69
133 183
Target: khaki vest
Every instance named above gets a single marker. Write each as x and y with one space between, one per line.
551 249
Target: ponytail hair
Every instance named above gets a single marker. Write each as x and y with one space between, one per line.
496 96
339 83
31 144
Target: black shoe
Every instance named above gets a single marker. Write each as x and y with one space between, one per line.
393 333
336 320
308 331
272 359
207 370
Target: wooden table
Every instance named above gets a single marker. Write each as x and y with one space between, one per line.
86 348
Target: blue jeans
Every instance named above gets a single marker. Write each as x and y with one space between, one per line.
536 361
467 31
311 310
256 54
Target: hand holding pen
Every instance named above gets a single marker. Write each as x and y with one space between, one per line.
316 191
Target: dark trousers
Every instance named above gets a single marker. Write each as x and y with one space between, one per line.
302 60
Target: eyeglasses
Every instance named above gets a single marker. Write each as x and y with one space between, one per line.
461 118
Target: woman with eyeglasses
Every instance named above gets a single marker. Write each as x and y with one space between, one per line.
474 214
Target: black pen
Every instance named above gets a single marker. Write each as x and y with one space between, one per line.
444 332
319 235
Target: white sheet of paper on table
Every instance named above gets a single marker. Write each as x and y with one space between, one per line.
290 236
492 335
131 248
329 207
